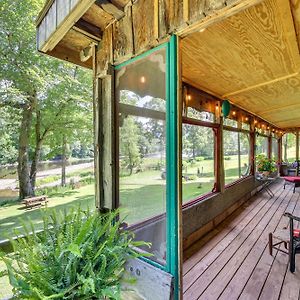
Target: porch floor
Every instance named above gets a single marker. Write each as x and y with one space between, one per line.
233 261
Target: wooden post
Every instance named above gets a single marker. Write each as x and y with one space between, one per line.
252 152
219 163
269 147
280 150
297 145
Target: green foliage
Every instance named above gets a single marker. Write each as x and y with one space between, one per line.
78 255
265 164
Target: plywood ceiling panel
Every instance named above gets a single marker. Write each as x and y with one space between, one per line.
251 58
277 102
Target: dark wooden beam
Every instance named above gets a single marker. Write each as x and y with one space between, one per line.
89 30
113 9
68 54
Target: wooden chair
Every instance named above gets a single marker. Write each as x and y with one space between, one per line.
294 242
290 238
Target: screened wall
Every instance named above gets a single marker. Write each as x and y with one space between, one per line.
141 106
289 147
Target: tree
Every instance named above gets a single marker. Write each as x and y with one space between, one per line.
129 144
40 89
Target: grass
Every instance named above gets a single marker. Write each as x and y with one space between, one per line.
12 216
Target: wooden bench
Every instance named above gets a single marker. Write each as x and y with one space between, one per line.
35 201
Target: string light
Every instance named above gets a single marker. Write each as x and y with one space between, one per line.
143 79
189 97
234 112
246 119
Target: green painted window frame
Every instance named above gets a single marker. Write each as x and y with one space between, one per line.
173 208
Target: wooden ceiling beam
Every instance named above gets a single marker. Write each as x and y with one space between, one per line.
70 55
260 85
89 30
113 9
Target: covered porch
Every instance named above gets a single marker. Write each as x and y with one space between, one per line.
233 260
186 95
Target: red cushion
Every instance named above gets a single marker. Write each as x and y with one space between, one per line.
297 233
292 178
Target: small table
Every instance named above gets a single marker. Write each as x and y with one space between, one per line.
266 181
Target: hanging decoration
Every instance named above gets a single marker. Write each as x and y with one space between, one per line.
225 108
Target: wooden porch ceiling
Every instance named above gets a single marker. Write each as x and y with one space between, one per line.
252 59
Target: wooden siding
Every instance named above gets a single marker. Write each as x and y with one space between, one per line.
233 262
148 23
57 19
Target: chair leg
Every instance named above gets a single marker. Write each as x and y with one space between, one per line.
271 243
292 258
284 185
294 188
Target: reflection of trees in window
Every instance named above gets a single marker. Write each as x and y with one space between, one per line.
236 147
129 145
197 141
289 147
197 161
261 144
275 149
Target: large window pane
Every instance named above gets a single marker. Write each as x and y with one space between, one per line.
198 176
141 92
142 168
244 140
289 147
231 156
262 145
236 155
275 149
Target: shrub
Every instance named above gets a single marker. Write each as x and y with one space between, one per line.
199 158
227 158
79 255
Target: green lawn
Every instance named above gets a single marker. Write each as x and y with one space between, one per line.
11 216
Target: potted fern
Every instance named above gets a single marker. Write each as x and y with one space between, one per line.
78 255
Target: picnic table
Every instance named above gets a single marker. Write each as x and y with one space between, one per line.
35 201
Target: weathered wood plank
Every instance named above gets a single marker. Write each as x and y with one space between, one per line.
215 265
143 25
63 8
150 281
110 8
105 52
123 45
244 270
196 10
54 37
229 227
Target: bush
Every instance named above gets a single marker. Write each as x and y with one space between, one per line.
79 255
227 158
199 158
208 158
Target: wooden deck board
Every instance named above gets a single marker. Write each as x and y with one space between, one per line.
233 261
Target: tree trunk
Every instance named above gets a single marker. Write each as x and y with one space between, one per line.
63 161
34 164
37 152
25 187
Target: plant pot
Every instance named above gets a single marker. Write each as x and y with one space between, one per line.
266 173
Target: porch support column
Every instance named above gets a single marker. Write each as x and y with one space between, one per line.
252 152
297 145
219 162
280 150
105 150
269 147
